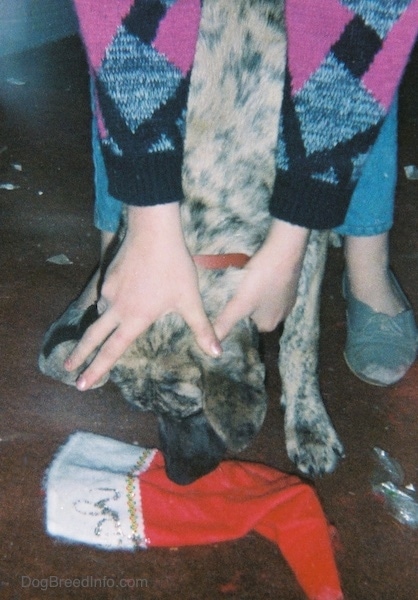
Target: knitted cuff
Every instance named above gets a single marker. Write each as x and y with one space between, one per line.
151 179
309 203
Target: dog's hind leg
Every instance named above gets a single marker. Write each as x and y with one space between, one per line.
311 441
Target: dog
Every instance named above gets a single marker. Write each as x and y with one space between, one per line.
206 406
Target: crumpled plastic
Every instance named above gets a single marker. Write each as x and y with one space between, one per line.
388 484
411 172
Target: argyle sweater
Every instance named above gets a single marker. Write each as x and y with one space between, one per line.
140 54
345 62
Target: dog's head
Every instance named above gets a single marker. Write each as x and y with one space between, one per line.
204 406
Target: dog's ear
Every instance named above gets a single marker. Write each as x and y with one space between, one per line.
236 408
60 340
190 447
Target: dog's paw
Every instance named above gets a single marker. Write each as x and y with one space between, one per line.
315 450
311 441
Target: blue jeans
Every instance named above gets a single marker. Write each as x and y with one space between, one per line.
107 209
371 207
372 204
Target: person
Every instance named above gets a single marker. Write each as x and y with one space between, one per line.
336 99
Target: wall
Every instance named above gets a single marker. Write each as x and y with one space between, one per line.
25 24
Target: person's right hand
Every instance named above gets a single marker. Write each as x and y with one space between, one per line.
152 275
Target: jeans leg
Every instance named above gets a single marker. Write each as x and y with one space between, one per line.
372 204
107 209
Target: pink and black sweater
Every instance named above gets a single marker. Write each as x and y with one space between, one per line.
345 62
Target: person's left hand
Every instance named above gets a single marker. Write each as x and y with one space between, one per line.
268 289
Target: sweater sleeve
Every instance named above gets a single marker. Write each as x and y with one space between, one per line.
345 62
140 54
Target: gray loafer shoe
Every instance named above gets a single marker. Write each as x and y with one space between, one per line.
379 349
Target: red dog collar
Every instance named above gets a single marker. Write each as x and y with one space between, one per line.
221 261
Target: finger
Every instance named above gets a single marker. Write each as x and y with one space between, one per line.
232 313
94 336
108 355
204 333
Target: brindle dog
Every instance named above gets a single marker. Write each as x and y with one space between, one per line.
206 406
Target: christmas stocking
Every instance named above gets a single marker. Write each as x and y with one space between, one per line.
113 495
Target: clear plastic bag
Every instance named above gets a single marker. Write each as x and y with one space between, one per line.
388 483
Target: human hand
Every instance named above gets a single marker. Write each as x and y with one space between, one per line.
268 289
152 275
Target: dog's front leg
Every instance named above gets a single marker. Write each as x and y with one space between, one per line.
311 441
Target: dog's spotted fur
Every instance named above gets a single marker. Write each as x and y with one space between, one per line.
205 405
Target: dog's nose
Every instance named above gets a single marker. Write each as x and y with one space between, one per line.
190 447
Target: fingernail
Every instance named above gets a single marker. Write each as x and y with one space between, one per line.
216 350
81 384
